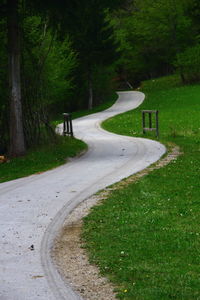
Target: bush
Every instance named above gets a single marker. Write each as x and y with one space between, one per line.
188 63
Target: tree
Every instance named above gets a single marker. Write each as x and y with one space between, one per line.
17 141
33 50
151 34
94 44
91 34
47 82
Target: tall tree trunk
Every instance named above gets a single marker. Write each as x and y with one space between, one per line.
90 101
17 144
175 39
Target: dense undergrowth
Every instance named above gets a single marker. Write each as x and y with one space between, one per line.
146 236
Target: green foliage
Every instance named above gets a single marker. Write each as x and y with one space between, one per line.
145 236
194 13
60 64
46 73
189 64
56 68
151 34
92 40
95 46
47 65
47 61
103 83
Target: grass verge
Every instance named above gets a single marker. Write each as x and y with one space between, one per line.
41 158
146 237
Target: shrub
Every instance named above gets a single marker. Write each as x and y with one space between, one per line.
188 63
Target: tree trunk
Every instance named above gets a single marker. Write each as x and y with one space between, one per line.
17 144
90 101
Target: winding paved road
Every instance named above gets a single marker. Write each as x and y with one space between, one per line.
33 209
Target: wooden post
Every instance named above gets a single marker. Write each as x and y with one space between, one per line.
143 121
70 123
150 120
157 126
67 124
150 128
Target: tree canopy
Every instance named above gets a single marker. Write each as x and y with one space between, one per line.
65 55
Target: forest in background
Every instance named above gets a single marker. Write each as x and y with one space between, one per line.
62 56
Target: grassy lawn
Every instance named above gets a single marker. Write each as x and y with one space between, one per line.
41 159
146 237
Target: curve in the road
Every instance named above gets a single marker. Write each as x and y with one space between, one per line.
33 209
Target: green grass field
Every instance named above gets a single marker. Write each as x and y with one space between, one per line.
146 236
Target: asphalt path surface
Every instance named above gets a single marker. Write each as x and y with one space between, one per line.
33 209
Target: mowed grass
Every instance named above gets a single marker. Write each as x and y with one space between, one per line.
41 159
146 236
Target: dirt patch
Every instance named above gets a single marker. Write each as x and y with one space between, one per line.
72 260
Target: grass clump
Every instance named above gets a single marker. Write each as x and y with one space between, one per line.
146 236
41 159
